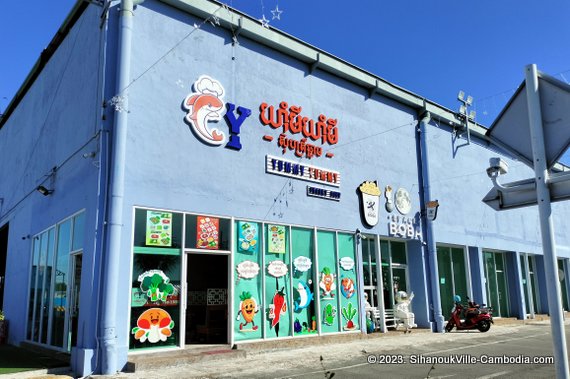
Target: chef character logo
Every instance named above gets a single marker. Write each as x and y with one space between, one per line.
370 199
205 105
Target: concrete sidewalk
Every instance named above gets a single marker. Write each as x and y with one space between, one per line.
277 358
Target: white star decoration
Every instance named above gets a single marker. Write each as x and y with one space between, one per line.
264 22
276 13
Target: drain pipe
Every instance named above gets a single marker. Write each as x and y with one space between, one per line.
435 306
109 359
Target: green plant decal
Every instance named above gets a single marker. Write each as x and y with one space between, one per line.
348 313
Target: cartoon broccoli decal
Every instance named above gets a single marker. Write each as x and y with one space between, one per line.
156 285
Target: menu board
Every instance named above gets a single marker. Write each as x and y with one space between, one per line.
276 242
158 228
207 233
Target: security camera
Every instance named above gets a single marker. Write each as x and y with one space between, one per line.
497 166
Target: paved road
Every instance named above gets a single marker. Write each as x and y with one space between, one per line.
422 362
350 359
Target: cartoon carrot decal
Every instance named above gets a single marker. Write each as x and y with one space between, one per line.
248 309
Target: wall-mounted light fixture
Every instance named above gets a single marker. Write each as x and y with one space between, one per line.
43 190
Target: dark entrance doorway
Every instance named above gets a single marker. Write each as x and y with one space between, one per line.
3 256
207 299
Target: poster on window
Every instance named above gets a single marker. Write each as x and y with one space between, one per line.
158 228
247 237
207 233
276 241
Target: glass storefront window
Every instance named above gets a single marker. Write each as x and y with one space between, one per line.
398 250
155 230
248 293
277 281
155 291
207 233
49 302
61 282
328 282
496 286
302 249
78 231
349 300
394 270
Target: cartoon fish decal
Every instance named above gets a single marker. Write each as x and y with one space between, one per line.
305 296
205 105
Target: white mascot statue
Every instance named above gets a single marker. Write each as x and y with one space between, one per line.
403 310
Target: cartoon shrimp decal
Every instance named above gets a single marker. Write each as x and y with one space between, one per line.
154 325
204 105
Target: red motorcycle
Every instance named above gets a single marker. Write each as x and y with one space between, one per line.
476 317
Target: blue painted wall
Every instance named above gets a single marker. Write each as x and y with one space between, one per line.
53 126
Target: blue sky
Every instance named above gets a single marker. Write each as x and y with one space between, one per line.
433 48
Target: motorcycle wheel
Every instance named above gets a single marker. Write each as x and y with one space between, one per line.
483 326
449 326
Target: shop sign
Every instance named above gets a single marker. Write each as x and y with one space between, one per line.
302 264
205 105
389 199
403 201
289 118
404 227
347 263
370 198
296 170
431 208
323 193
277 269
158 228
247 269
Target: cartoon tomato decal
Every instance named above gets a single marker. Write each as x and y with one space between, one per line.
154 325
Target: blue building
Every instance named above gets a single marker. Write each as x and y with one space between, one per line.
174 173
